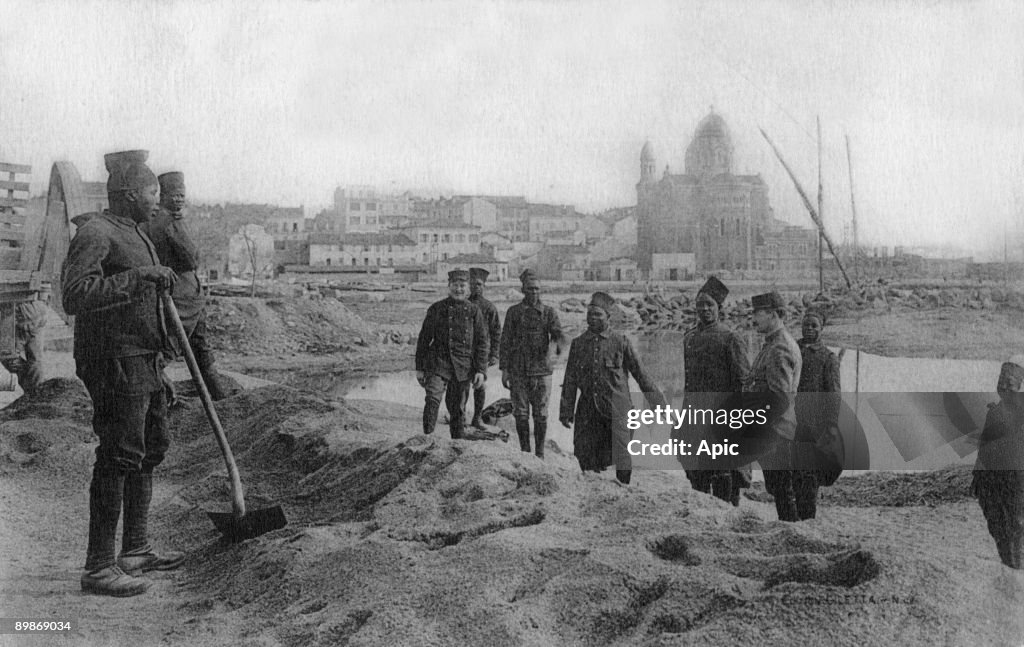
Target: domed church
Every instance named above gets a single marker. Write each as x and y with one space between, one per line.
708 220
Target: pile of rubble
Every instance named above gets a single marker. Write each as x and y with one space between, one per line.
652 311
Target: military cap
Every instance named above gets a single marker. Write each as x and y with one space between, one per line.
528 275
175 180
478 273
602 300
816 314
1014 367
767 301
128 171
714 289
458 275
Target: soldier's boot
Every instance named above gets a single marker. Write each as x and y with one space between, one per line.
430 416
213 380
785 506
734 496
1003 547
1013 552
523 431
102 574
721 487
540 431
137 555
479 395
624 476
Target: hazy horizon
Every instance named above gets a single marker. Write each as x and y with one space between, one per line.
281 102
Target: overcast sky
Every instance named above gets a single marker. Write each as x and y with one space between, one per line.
283 101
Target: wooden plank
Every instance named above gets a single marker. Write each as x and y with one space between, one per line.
14 168
13 202
12 234
13 186
14 219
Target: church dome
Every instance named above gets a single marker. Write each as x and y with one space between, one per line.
647 152
710 152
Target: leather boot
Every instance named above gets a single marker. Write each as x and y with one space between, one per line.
113 581
1003 546
105 495
430 416
479 395
624 476
523 431
540 430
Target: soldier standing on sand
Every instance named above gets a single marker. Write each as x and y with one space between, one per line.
999 471
451 354
477 280
600 363
169 234
817 414
110 278
525 360
777 371
715 362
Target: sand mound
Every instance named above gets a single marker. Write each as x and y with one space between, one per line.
399 539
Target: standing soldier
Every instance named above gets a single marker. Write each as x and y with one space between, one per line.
600 363
999 471
175 248
776 371
451 354
477 280
715 362
110 278
817 414
30 320
525 360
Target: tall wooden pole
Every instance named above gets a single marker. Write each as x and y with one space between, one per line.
853 210
810 208
821 216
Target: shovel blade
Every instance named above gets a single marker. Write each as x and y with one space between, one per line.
253 524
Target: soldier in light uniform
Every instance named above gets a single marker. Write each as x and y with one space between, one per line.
999 470
110 279
715 362
477 281
776 371
525 360
169 233
817 413
451 354
598 370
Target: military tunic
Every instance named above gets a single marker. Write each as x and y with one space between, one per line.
598 370
777 371
526 354
715 362
493 320
453 341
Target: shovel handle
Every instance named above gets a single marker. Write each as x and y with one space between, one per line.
237 497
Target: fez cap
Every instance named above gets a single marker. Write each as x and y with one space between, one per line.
458 275
478 273
714 289
171 181
602 300
814 313
767 301
528 275
128 171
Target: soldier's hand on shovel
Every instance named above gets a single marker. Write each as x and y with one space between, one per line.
478 380
506 380
421 377
163 277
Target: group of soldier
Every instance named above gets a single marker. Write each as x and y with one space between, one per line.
800 380
118 265
121 262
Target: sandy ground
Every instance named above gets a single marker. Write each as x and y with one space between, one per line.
399 539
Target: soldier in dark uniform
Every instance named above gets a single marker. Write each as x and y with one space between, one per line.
169 233
451 354
598 370
817 414
999 471
716 364
477 280
110 279
525 360
776 371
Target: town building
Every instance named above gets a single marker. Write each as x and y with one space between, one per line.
439 240
386 249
